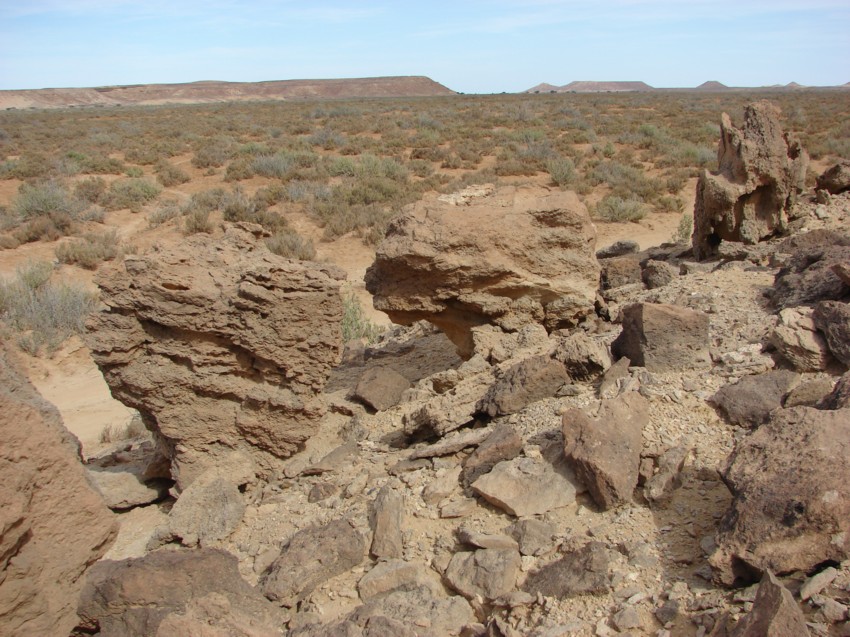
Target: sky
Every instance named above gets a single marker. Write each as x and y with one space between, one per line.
470 46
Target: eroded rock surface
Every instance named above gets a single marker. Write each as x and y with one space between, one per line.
791 485
761 170
221 345
456 266
53 524
750 401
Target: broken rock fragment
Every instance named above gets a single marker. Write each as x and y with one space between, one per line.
583 571
381 388
489 573
750 401
605 450
387 520
525 486
526 382
663 337
774 613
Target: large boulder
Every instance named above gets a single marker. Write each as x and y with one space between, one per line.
833 319
813 270
749 402
53 524
761 170
791 486
174 592
222 346
663 337
507 258
835 179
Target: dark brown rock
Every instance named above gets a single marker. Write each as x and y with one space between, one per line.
450 262
310 558
750 401
810 274
839 398
381 388
620 271
835 179
832 318
526 382
222 346
53 524
535 537
618 249
145 596
761 170
605 450
791 487
774 613
663 337
580 572
657 274
504 443
810 393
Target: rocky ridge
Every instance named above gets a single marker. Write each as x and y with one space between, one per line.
607 478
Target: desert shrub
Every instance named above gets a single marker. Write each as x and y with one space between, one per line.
668 203
208 200
626 181
291 245
134 171
170 175
341 167
355 323
91 250
273 166
131 193
165 212
132 429
197 220
421 168
213 154
676 181
327 138
90 189
237 206
685 228
615 208
45 198
30 166
239 169
511 166
562 170
101 165
43 314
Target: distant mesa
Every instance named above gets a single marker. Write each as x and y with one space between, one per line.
544 88
712 85
794 85
212 91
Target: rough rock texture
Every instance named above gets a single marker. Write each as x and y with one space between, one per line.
798 341
774 613
387 521
525 486
620 271
53 524
657 274
605 450
448 411
457 267
582 571
583 357
618 249
791 486
504 443
127 489
751 196
434 614
835 179
489 573
381 388
833 319
179 590
810 274
809 393
750 401
310 558
839 398
526 382
663 337
221 346
209 510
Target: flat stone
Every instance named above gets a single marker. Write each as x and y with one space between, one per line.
580 572
525 486
387 520
489 573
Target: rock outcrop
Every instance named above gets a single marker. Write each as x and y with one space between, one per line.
774 613
222 346
507 258
835 179
53 524
761 170
813 269
175 592
791 487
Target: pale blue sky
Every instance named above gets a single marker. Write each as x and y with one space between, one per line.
473 46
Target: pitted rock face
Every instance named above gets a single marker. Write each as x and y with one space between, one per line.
222 346
761 170
507 258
